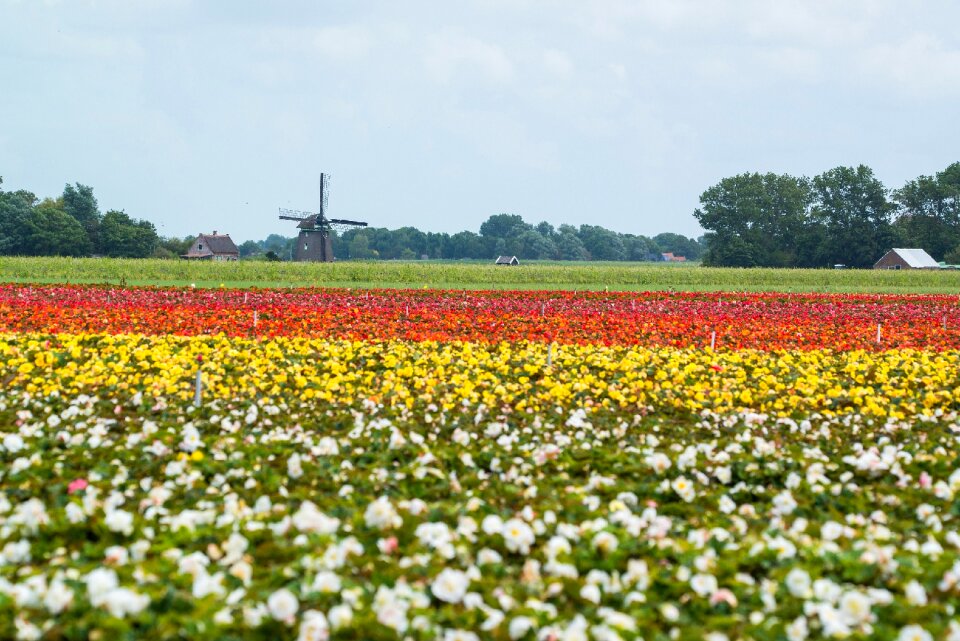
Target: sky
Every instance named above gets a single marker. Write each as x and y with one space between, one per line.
206 115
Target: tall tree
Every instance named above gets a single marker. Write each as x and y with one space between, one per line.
79 202
503 226
754 219
15 209
851 204
123 237
53 232
929 211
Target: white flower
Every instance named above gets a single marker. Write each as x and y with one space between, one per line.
450 585
491 524
704 584
122 601
486 556
283 606
684 488
191 438
31 514
590 593
381 515
915 593
327 446
294 467
913 633
340 616
58 597
13 443
798 630
831 531
517 536
99 583
519 626
726 504
326 582
855 607
798 583
309 519
119 521
604 542
26 631
15 552
314 627
659 461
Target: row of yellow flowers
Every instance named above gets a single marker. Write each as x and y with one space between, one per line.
524 375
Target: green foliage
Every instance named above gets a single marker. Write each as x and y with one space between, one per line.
53 232
123 237
79 202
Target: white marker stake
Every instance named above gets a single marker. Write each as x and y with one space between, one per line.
255 318
944 322
543 309
550 355
713 340
244 298
199 389
878 333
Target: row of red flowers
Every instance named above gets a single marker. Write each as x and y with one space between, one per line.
737 320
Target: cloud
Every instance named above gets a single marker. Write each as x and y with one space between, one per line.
557 63
921 66
451 55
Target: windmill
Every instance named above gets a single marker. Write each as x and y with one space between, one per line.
314 243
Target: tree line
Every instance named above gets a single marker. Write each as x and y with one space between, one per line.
500 235
844 216
71 225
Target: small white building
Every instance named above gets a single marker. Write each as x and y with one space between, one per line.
906 259
507 260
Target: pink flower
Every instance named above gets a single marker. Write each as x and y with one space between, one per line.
723 595
77 485
388 546
925 480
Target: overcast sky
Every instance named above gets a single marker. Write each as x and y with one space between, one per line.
211 115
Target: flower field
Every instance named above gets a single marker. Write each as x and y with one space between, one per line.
424 464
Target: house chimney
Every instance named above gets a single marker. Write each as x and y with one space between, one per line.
214 232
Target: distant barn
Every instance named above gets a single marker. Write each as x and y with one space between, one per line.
213 247
507 260
906 259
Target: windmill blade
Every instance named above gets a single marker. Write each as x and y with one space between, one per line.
339 221
324 194
295 214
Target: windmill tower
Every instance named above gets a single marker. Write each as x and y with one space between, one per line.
313 242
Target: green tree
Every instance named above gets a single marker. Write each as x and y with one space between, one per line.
360 248
15 209
852 206
53 232
503 226
754 219
679 245
248 248
601 243
122 237
569 245
929 211
79 202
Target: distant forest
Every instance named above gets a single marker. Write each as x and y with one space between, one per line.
500 235
72 225
843 216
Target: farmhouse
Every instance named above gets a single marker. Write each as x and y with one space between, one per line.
213 247
507 260
906 259
670 258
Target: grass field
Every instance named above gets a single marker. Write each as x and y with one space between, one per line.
455 275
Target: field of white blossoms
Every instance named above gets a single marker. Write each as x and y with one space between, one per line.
351 489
